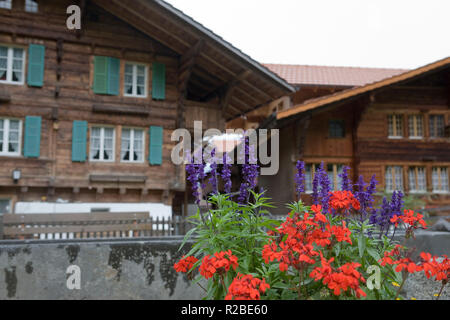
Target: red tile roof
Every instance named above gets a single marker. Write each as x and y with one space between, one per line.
334 76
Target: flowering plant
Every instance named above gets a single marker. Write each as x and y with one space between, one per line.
328 250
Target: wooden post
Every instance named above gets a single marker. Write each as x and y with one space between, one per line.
1 226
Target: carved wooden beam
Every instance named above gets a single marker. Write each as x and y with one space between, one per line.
186 65
359 108
302 127
83 5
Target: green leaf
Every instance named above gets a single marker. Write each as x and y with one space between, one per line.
361 244
186 237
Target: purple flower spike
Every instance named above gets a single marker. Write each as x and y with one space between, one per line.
226 173
300 177
346 184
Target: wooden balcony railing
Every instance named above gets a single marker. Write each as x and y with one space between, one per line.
90 225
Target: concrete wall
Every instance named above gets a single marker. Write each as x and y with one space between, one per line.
121 269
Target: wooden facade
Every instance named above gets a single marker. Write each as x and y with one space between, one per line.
416 155
204 79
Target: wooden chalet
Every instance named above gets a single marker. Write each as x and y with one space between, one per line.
396 127
86 115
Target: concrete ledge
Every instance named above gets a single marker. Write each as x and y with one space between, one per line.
110 269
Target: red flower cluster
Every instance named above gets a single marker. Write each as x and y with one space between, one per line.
342 233
429 264
220 263
410 218
431 267
185 264
344 278
343 200
395 257
246 287
297 248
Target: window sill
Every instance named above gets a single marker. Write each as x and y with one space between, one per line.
394 137
16 155
137 97
12 83
101 161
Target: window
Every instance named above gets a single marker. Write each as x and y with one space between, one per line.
132 145
440 179
5 4
415 126
10 131
31 6
336 129
394 178
102 144
310 169
437 128
417 179
334 170
135 80
12 65
395 123
5 206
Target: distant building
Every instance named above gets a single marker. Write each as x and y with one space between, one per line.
394 124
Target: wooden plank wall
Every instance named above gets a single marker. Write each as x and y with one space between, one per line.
69 97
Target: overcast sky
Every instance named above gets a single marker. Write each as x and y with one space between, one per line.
365 33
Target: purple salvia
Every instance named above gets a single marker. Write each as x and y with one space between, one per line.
213 178
325 188
249 171
226 173
346 184
300 177
315 187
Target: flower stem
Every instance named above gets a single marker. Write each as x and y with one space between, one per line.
300 284
440 291
401 286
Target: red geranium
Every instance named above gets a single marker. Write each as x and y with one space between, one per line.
246 287
343 200
185 264
220 262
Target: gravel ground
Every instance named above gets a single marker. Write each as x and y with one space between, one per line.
418 286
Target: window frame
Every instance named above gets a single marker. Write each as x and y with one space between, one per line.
436 115
393 177
135 64
133 129
416 170
12 154
9 64
441 190
102 143
334 122
28 6
10 5
395 117
415 126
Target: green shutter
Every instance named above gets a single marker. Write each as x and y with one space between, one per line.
156 145
113 76
36 60
32 143
159 81
101 75
79 138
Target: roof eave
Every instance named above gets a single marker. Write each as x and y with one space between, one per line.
225 44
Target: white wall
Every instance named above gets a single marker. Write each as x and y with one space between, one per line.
156 209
